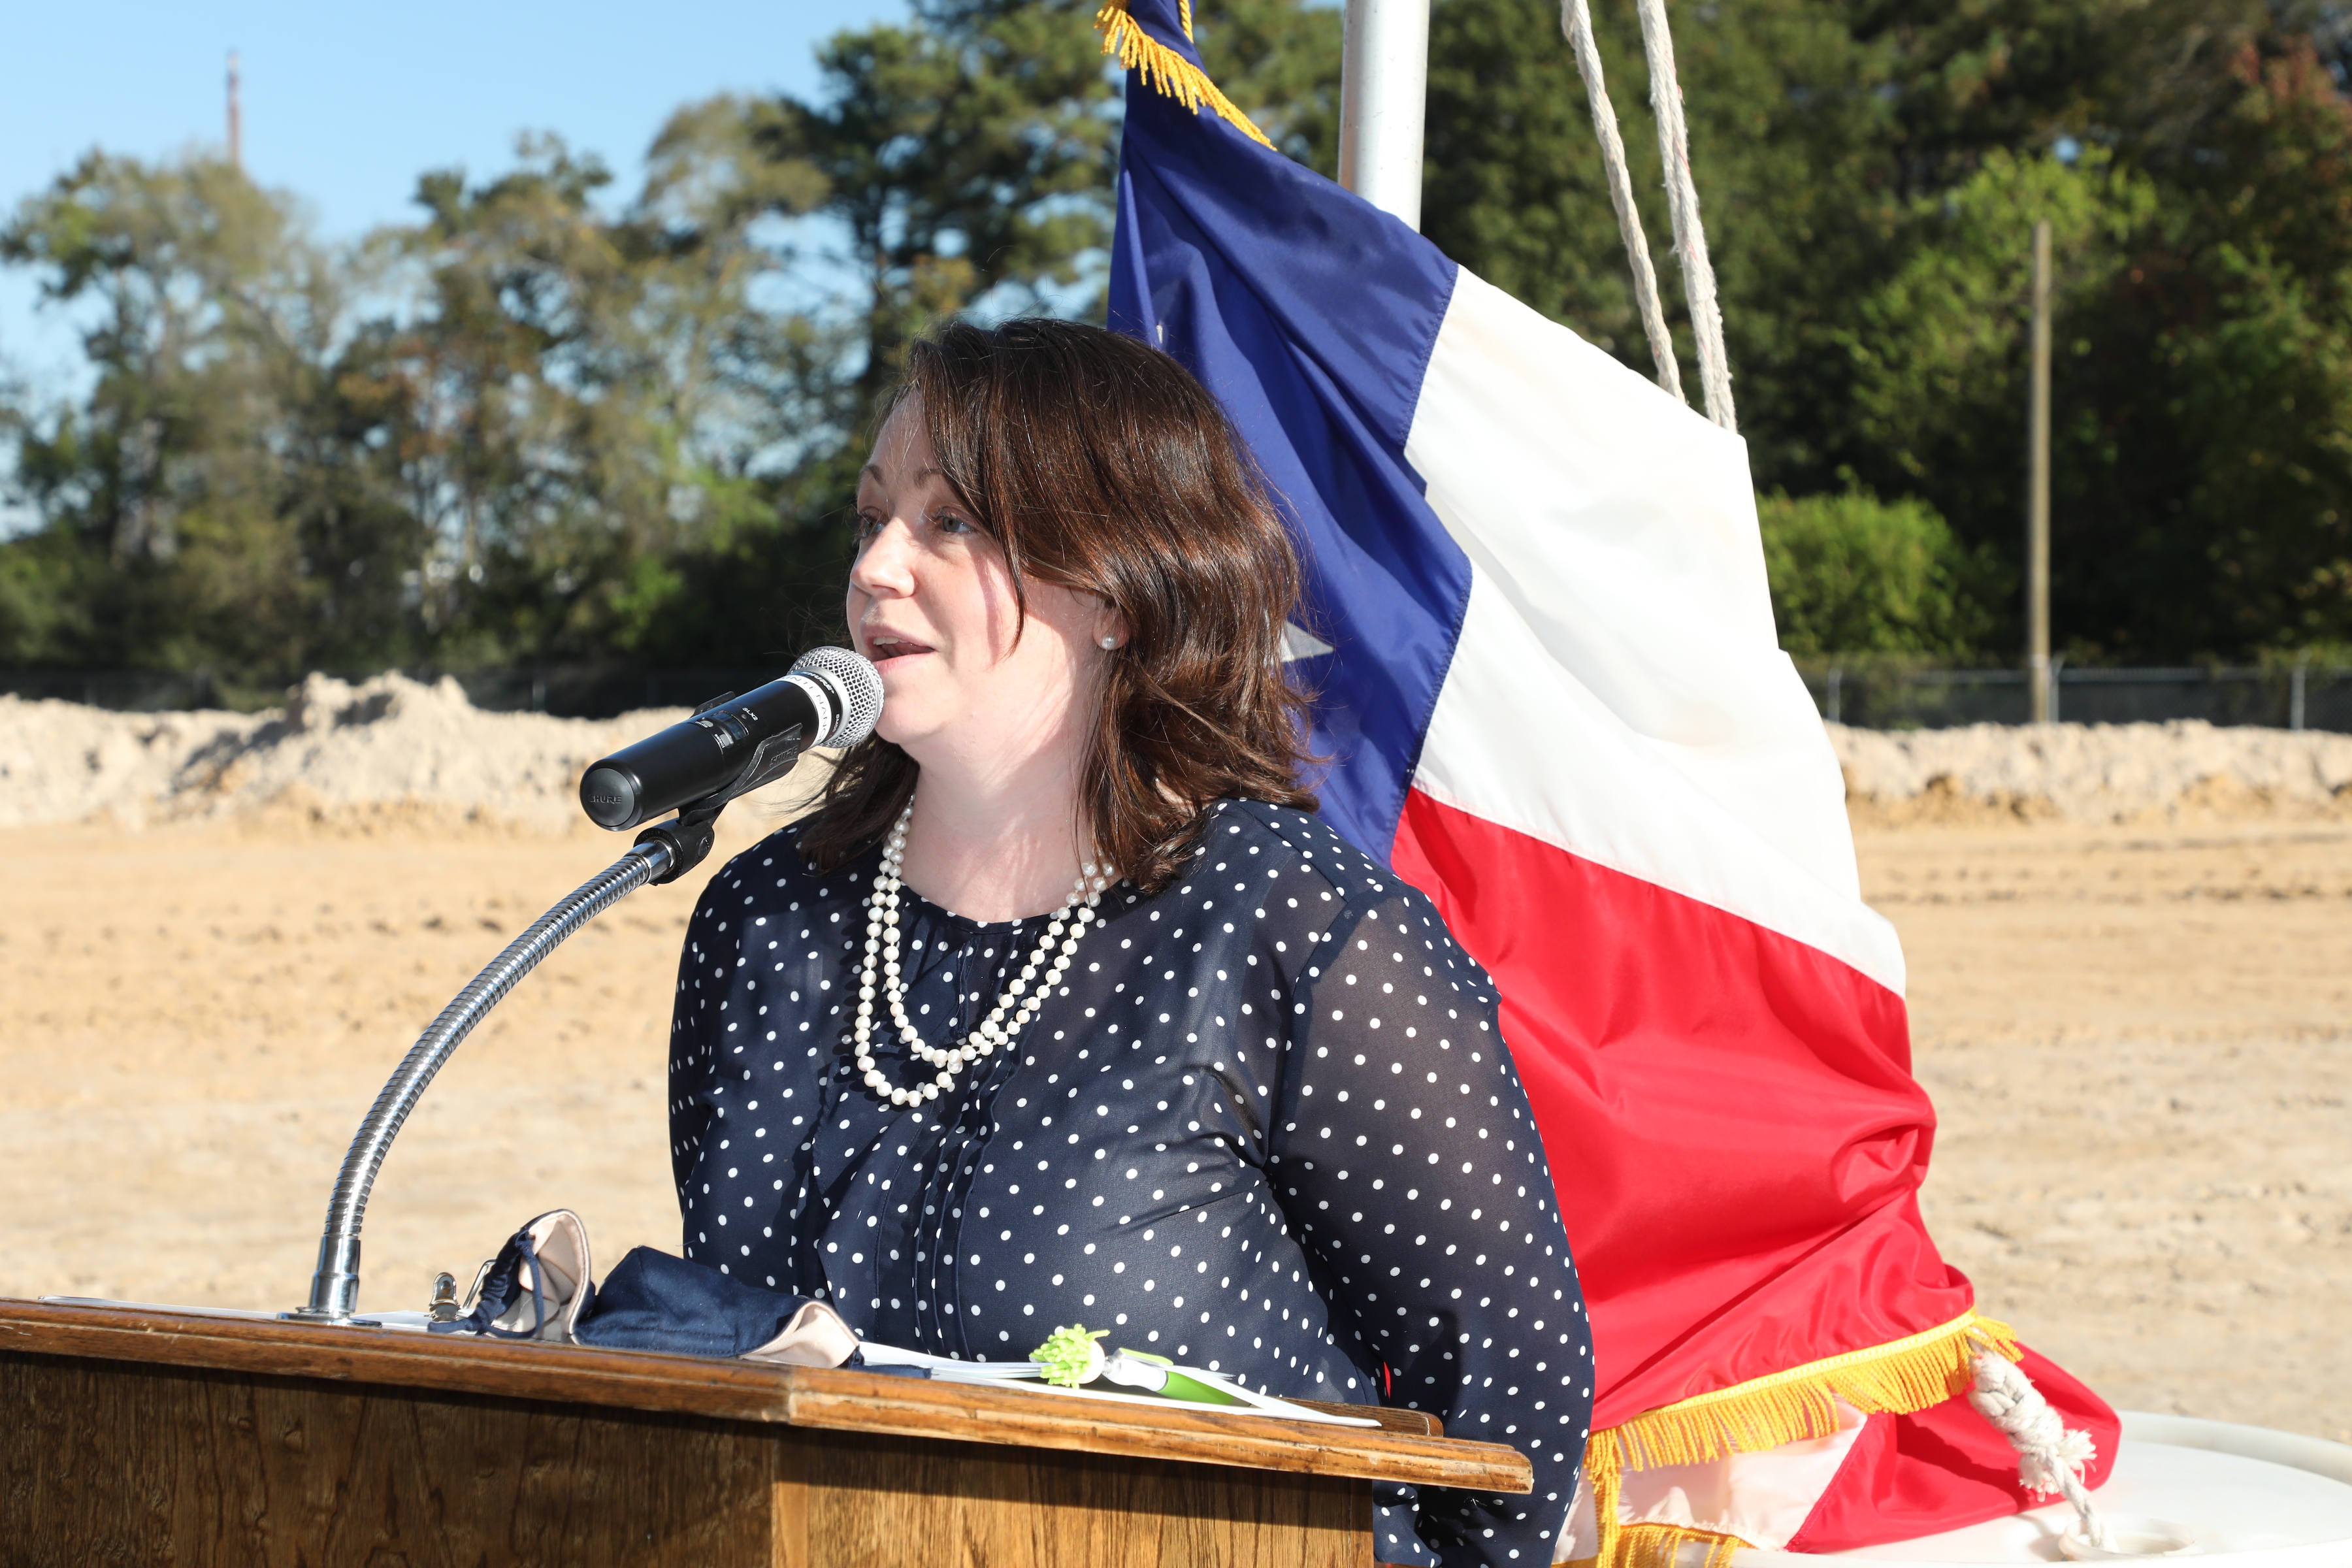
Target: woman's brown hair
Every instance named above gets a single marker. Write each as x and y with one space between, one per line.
1098 464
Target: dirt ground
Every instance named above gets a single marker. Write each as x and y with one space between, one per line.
2137 1036
2139 1042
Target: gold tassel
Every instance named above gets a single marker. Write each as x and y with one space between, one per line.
1603 1474
1621 1545
1164 69
1660 1546
1895 1378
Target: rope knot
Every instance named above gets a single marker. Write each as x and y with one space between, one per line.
2050 1459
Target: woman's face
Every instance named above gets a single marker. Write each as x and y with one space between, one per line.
930 602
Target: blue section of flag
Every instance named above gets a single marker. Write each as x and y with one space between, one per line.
1312 315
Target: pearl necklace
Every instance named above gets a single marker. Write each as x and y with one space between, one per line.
1021 998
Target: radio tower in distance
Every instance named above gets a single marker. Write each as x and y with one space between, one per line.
236 125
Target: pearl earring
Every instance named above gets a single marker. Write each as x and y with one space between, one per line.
1110 642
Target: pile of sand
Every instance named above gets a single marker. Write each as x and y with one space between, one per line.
392 749
2187 770
338 755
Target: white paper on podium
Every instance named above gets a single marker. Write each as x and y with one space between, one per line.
945 1369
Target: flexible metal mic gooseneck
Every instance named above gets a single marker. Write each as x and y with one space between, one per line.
662 852
335 1288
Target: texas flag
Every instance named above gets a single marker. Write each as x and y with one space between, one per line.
1549 690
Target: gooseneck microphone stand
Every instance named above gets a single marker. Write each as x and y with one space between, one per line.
662 852
831 698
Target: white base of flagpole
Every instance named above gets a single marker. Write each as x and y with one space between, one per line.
1383 96
2242 1495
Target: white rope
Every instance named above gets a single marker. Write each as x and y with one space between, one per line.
1576 25
1682 202
2050 1459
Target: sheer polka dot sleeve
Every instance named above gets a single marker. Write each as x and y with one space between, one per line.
1406 1157
696 1017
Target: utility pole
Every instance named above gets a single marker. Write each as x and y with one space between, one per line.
2037 489
236 118
1383 102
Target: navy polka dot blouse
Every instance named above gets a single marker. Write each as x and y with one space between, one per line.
1268 1128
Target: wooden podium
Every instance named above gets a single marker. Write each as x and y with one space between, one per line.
140 1435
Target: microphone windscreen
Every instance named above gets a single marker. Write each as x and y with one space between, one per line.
859 686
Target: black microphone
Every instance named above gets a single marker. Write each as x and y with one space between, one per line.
734 744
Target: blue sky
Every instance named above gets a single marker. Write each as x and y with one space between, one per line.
346 107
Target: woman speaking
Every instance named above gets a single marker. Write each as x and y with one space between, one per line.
1062 1007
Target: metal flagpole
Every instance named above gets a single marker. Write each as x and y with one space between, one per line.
1383 92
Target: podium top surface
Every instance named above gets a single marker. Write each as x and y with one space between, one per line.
1404 1448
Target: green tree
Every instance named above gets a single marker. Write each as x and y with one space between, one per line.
1279 61
201 505
577 402
560 427
962 156
2209 476
1854 575
2203 386
1515 189
1929 356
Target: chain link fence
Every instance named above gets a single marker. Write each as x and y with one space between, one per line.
1876 695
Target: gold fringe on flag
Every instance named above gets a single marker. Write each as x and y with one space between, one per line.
1895 1378
1165 69
1661 1546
